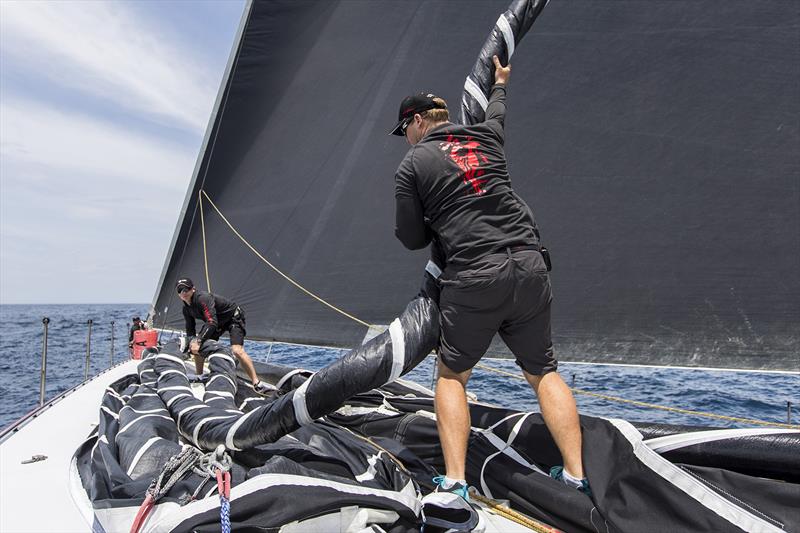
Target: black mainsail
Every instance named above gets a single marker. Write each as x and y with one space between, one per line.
657 143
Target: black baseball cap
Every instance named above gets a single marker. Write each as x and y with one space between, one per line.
184 283
410 106
137 319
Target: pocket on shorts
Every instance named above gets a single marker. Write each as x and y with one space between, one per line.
531 261
482 275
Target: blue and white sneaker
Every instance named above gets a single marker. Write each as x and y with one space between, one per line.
557 473
449 508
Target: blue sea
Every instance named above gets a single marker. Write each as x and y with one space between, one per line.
752 395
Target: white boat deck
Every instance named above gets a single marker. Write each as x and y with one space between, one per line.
36 496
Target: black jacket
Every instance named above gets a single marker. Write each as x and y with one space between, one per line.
454 185
135 327
217 313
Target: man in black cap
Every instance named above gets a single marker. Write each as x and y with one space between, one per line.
220 315
453 187
135 326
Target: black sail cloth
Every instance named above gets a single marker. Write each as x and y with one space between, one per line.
650 139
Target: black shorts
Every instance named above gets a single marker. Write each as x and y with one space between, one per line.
235 328
507 293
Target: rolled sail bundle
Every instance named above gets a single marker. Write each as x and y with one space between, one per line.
509 30
216 420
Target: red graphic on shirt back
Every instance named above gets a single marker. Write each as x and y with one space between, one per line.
467 157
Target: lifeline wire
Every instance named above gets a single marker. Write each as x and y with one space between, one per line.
656 406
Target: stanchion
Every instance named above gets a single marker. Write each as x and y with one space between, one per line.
88 350
43 380
111 357
788 412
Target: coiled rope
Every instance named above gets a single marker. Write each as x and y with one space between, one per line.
190 459
202 194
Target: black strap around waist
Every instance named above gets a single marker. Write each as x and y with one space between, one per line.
518 248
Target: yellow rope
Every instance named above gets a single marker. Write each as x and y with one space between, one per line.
656 406
277 270
491 369
514 516
203 226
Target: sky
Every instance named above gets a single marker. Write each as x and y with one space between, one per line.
103 109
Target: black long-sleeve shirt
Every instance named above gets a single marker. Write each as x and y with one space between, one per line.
216 311
454 184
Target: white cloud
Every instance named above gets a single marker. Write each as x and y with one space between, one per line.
83 201
106 50
36 140
91 184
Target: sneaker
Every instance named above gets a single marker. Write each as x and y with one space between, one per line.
449 508
457 488
557 473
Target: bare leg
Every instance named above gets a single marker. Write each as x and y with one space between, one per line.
199 361
561 417
247 363
452 419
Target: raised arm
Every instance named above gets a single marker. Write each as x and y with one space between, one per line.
496 110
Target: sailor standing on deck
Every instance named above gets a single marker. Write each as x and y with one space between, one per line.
220 315
453 186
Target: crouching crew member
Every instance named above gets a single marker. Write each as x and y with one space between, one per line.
219 315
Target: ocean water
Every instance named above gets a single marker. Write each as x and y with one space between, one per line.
753 395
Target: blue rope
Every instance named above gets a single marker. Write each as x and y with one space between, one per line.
225 514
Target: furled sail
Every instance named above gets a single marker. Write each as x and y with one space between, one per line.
657 144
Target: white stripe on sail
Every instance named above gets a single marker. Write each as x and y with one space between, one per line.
681 440
299 403
398 349
508 34
506 449
472 88
200 424
109 411
172 358
132 422
232 431
223 376
220 393
187 409
178 397
286 377
220 355
140 452
691 486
